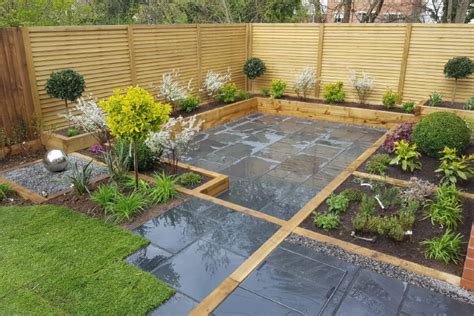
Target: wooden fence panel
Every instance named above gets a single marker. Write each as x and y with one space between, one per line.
100 54
286 49
430 48
16 102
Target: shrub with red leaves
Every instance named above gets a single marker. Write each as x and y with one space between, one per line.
403 132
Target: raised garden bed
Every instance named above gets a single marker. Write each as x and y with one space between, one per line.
429 165
21 158
409 248
20 150
57 140
457 108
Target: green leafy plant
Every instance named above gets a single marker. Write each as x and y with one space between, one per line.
389 195
278 89
125 207
189 179
454 167
265 92
242 95
378 164
81 178
409 107
146 158
338 203
334 93
67 85
73 131
190 103
227 93
118 163
368 205
446 248
406 156
164 189
133 114
441 129
105 194
458 68
353 195
254 67
469 104
435 99
326 221
390 99
446 210
5 191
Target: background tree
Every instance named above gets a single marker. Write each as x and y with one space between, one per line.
458 68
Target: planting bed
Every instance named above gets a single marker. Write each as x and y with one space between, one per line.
13 161
408 249
36 178
429 165
446 104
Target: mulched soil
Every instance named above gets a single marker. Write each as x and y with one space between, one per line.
408 249
429 165
447 104
82 204
14 200
346 104
63 131
19 159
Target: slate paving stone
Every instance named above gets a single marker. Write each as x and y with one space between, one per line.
372 294
289 126
249 127
251 194
198 269
249 168
178 305
318 181
243 302
271 119
284 148
273 155
234 123
420 301
333 143
265 136
195 206
206 164
175 229
235 151
241 233
281 209
225 138
148 258
218 213
306 296
323 151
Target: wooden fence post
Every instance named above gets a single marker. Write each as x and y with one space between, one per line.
319 62
198 52
403 66
131 49
248 53
31 70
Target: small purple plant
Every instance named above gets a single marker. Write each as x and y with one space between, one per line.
403 132
97 149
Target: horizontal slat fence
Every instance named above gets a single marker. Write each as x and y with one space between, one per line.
16 103
402 57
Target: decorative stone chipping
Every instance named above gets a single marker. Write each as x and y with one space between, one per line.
467 280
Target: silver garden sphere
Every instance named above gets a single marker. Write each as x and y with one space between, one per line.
55 160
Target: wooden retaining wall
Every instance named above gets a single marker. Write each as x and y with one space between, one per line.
408 58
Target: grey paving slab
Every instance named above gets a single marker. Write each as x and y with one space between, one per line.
175 229
235 151
323 151
243 302
198 269
420 301
195 206
178 305
148 258
249 168
251 194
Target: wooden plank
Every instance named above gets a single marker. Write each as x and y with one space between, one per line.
131 48
403 68
25 193
199 55
319 62
369 253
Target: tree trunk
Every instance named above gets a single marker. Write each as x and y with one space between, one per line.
461 11
347 11
454 90
67 112
135 162
449 12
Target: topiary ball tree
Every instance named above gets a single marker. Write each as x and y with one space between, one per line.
254 68
458 68
438 130
67 85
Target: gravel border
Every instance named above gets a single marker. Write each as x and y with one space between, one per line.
389 270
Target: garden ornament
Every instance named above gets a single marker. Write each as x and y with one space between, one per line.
55 160
377 198
373 239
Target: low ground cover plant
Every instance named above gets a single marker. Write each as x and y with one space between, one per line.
189 179
378 164
334 92
81 178
435 99
455 168
446 248
390 99
146 158
338 203
278 89
406 156
227 93
409 107
5 191
164 188
403 132
469 104
326 221
190 103
446 210
439 130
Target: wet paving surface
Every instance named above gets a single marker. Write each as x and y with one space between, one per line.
276 165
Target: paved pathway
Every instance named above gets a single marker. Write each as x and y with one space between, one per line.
276 165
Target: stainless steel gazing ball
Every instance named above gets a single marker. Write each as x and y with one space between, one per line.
55 160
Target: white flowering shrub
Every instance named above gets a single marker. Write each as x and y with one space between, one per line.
174 138
305 81
214 81
363 84
90 118
171 88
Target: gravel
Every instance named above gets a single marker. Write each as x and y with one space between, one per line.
395 272
36 178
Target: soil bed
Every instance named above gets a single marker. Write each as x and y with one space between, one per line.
63 132
83 204
446 104
429 165
408 249
15 160
347 104
14 200
203 108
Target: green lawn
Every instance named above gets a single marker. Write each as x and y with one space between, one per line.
56 261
